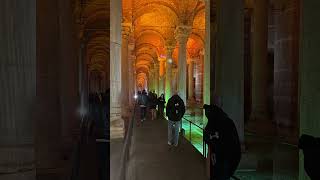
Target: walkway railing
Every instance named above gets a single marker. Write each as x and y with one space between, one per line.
126 148
204 146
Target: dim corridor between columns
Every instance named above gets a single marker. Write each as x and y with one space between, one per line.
151 157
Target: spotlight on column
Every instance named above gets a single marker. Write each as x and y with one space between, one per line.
170 60
135 96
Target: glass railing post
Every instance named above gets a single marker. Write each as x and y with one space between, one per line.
190 133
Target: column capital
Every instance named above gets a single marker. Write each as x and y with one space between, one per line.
192 60
131 46
202 51
182 33
126 30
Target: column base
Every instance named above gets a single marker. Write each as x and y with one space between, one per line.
116 127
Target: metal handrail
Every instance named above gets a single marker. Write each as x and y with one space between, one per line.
126 148
204 147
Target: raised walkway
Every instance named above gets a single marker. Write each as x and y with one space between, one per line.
151 158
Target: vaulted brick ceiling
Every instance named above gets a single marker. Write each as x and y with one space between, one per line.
93 17
154 23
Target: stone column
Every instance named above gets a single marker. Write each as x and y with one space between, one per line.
309 65
230 47
207 64
199 77
174 78
134 74
162 76
285 63
181 35
126 29
169 60
17 89
156 78
116 121
259 60
131 77
151 80
190 79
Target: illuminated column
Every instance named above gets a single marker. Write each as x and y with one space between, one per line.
230 47
156 77
181 35
17 89
259 60
151 80
190 79
116 121
168 92
131 76
134 73
207 65
309 74
199 77
126 29
174 78
162 76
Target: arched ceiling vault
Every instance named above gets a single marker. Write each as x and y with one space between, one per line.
154 23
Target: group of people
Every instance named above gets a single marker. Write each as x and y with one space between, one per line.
151 101
175 109
220 133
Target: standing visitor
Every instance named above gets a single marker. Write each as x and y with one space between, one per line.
143 102
175 110
224 145
153 105
161 102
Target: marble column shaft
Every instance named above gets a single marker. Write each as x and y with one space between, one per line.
190 79
156 85
117 123
230 37
168 83
182 34
207 64
124 70
259 60
17 89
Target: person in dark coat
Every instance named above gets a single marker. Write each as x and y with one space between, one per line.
153 104
175 110
224 145
161 102
310 147
143 103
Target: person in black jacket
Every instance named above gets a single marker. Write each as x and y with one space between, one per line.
224 145
161 102
175 110
153 104
143 102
